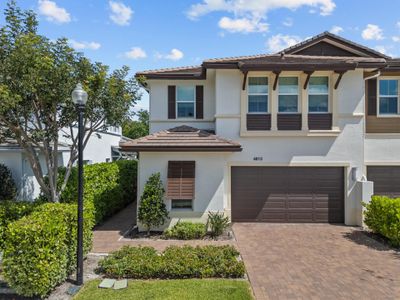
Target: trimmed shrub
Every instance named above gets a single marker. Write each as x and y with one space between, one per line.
174 262
217 223
11 211
8 189
152 210
108 187
382 216
132 262
186 231
40 249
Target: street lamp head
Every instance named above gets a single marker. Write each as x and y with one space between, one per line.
79 95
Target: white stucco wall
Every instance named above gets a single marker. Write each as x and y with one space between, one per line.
159 103
210 189
344 148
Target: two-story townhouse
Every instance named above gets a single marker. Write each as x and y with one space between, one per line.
285 137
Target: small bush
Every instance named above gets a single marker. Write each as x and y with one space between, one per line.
108 187
40 249
175 262
11 211
382 216
217 223
186 231
152 210
8 189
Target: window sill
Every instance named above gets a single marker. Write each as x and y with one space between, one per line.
382 135
290 133
388 116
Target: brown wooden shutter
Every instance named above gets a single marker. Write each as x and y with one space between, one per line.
371 96
199 101
181 180
171 102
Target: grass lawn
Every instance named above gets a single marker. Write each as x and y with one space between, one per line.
170 289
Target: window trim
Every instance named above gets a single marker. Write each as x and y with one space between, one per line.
194 102
328 94
258 94
378 97
289 94
182 208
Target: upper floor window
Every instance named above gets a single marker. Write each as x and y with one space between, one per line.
185 101
388 96
258 95
288 95
318 94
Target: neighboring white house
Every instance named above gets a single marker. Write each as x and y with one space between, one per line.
296 134
102 147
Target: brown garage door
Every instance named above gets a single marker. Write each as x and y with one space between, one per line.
386 180
288 194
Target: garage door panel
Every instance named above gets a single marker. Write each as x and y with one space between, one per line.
288 194
386 180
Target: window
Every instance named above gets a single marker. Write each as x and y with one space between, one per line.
181 183
388 96
181 204
288 95
185 101
318 94
258 94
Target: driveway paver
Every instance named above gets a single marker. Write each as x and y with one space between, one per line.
317 261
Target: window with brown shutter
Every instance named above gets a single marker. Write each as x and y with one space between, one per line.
181 180
199 101
371 96
171 101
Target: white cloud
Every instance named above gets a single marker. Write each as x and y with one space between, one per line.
250 15
256 8
135 53
279 42
288 22
336 29
175 54
52 12
121 14
242 25
384 50
372 32
84 45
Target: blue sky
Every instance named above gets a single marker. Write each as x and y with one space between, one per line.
150 34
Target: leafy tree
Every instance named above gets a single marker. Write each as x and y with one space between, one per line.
152 210
8 190
136 129
37 76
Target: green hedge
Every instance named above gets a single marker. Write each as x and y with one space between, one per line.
186 231
11 211
382 216
174 262
108 187
40 249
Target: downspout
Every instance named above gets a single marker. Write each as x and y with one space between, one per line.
364 177
373 76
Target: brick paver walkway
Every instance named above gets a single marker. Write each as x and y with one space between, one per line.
317 262
110 236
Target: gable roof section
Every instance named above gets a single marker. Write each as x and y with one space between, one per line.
325 51
181 139
343 45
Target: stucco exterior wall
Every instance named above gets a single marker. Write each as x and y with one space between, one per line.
159 103
210 187
344 147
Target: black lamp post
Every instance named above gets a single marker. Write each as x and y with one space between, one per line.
79 97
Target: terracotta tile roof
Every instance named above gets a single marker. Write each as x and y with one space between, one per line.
182 138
